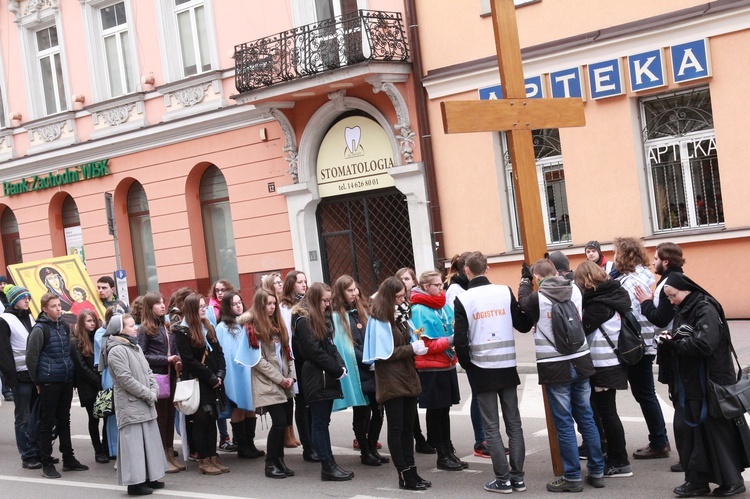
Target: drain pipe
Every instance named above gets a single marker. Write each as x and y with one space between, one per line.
425 137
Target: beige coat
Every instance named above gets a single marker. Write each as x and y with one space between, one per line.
267 376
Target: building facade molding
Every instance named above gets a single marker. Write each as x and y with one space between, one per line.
405 135
303 197
290 137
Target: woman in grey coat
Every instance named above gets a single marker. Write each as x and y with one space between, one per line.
141 460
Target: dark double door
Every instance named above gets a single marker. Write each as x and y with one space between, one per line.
366 236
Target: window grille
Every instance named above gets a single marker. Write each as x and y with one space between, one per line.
553 195
681 160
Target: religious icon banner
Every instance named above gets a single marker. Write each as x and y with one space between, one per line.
63 276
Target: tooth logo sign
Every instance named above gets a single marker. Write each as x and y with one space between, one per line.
353 136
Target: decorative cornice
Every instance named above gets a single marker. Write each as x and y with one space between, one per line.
190 96
33 8
116 115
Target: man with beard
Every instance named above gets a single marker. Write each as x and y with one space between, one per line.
657 308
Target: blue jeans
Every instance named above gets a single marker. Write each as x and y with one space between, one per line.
641 379
24 394
568 402
321 419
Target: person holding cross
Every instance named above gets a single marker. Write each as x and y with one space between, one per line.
565 377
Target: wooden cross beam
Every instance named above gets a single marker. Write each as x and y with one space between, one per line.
518 116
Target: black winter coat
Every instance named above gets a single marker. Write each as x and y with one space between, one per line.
207 372
708 346
156 349
322 366
87 379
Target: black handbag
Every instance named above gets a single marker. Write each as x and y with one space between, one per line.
729 401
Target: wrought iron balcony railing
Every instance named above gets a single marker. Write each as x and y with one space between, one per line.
323 46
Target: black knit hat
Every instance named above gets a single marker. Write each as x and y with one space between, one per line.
562 264
595 245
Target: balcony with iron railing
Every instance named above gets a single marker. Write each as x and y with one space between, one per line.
320 47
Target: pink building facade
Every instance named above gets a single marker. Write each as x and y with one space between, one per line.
179 140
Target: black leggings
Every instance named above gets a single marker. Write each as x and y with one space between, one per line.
204 433
303 420
367 421
289 412
96 440
438 426
604 403
275 442
400 413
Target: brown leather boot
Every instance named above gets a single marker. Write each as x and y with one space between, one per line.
289 440
217 463
171 465
170 453
206 466
296 440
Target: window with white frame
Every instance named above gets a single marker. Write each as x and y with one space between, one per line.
486 9
50 70
551 175
193 36
681 160
116 47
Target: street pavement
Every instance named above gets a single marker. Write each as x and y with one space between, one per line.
652 478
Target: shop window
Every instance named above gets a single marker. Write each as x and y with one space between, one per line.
217 227
11 239
551 175
72 229
142 240
681 160
50 70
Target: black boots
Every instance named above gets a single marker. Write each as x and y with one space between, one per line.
273 470
244 435
445 459
282 465
374 451
368 457
409 480
309 454
332 472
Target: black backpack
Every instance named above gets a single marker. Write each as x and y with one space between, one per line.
630 346
567 329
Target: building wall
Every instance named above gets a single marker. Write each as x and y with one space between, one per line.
604 162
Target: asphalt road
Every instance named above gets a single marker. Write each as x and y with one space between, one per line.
652 479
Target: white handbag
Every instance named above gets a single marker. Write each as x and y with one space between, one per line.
187 396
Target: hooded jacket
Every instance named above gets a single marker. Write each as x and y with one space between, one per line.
135 388
559 289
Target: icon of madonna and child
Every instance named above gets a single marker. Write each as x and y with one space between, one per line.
73 301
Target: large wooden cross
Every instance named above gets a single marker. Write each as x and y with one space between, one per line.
518 116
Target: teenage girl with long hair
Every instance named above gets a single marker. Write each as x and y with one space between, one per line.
322 369
161 353
388 344
88 380
238 382
273 376
349 321
202 359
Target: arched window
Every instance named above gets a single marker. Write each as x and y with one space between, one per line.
142 240
11 239
217 227
72 228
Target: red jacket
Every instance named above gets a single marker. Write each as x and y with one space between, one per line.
435 358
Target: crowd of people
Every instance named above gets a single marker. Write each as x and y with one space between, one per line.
297 354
